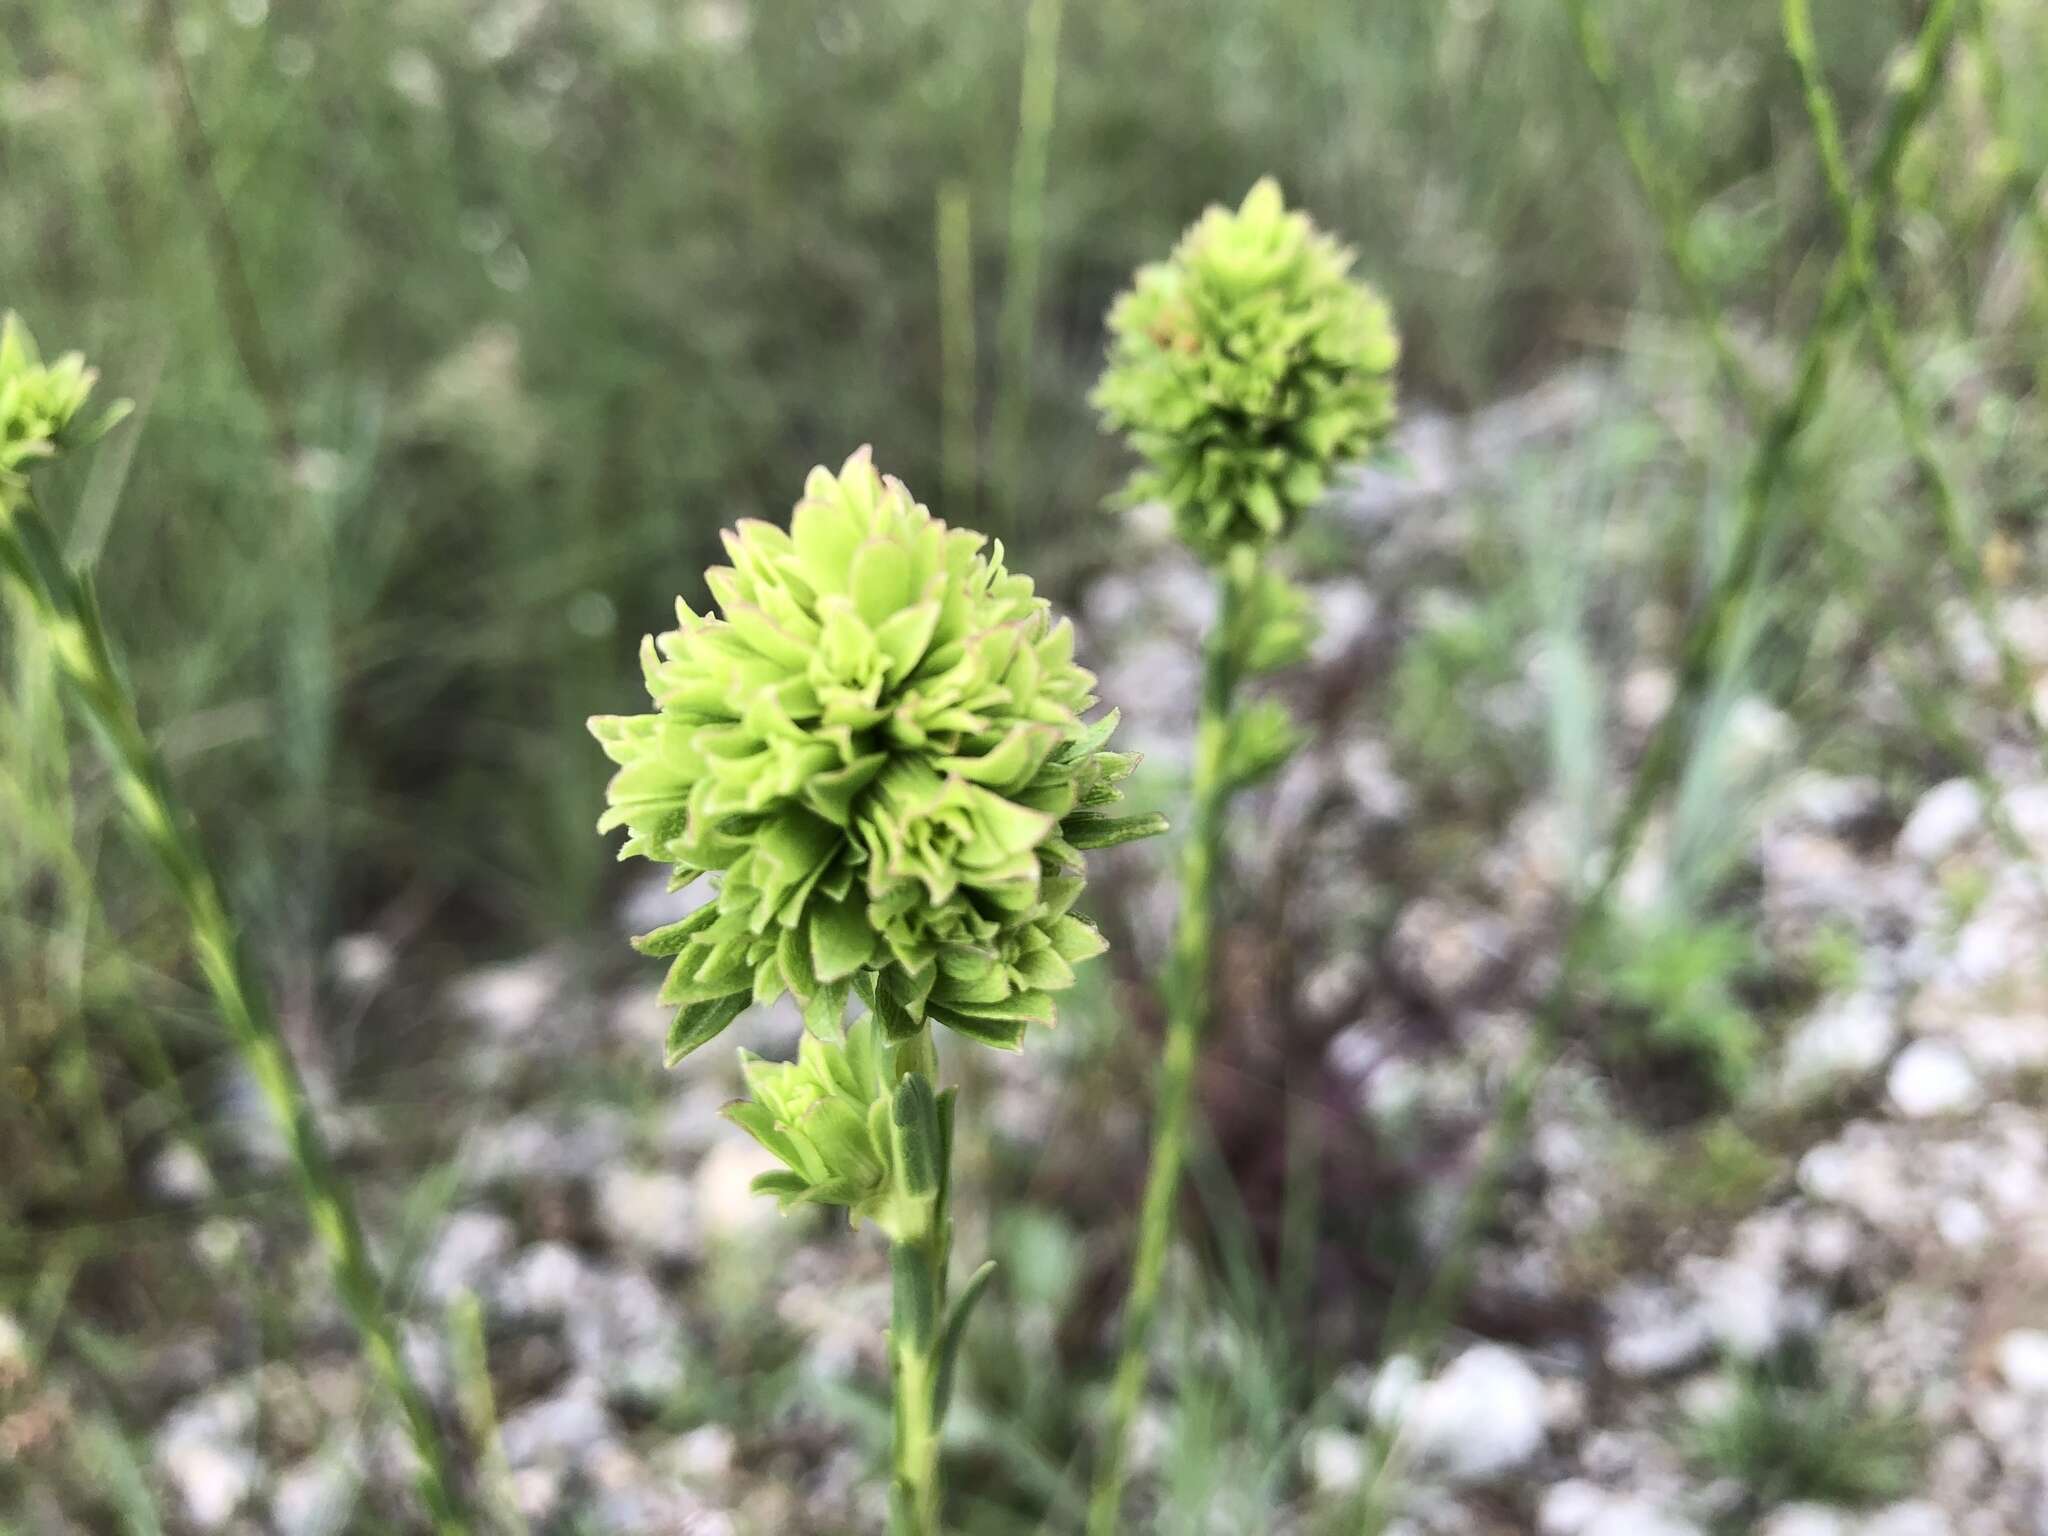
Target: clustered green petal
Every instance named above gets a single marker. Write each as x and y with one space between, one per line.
38 401
1245 370
844 1131
877 750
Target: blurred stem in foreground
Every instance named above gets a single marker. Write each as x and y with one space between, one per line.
1420 1327
1027 252
37 405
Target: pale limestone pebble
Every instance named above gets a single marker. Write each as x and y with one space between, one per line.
1747 1297
704 1457
1806 1520
649 1213
1831 1243
1841 1043
1823 802
318 1495
1364 770
1932 1078
1567 1508
560 1431
179 1175
1448 950
1346 612
544 1283
727 1206
1481 1419
1946 817
1334 1460
1638 1517
1654 1331
564 1146
512 999
1646 694
1916 1517
212 1479
2022 1360
692 1121
468 1255
623 1334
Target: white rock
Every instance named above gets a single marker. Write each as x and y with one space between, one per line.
1638 1517
561 1430
318 1496
1932 1077
468 1254
727 1206
1393 1390
178 1175
1334 1459
2023 1361
1947 816
1569 1507
1841 1042
14 1356
545 1282
1916 1518
1481 1418
703 1457
510 999
1652 1333
622 1334
651 1213
213 1479
1804 1520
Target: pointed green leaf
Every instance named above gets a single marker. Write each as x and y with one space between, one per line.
957 1317
701 1023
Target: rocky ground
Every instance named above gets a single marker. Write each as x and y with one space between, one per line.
1819 1309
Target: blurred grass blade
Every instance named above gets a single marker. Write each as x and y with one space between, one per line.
1027 253
955 240
65 609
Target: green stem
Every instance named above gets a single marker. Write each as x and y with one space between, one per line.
1187 1017
918 1265
64 606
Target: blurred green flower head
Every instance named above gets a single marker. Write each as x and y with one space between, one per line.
1244 370
831 1119
38 402
877 750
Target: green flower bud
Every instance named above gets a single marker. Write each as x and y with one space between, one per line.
844 1133
39 402
1244 370
877 750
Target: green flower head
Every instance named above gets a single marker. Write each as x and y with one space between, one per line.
846 1131
1244 370
876 750
39 402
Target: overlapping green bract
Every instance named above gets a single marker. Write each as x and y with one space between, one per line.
1244 370
832 1119
39 402
877 750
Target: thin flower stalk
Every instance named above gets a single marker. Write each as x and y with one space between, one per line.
39 417
1243 372
877 758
